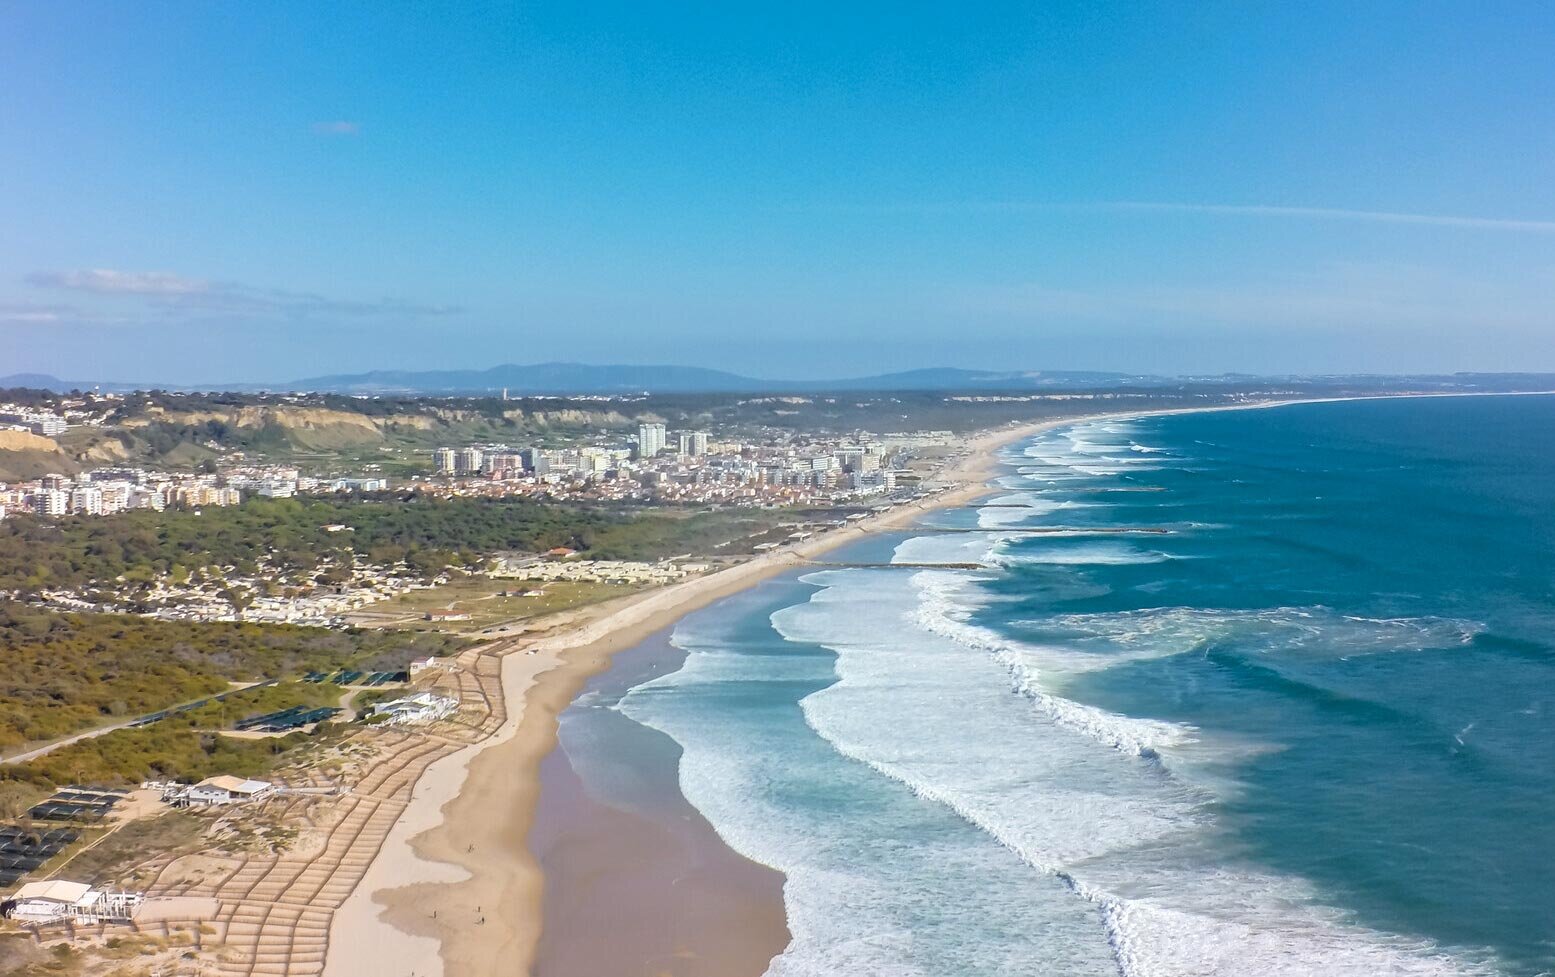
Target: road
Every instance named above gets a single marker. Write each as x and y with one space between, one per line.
149 717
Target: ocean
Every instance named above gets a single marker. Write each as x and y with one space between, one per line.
1258 692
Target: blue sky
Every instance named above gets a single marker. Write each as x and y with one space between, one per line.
247 192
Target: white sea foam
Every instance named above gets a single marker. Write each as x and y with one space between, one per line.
948 601
1021 507
1307 631
980 547
1099 851
876 883
1099 553
1050 784
949 691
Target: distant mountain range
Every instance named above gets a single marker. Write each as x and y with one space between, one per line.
561 379
583 378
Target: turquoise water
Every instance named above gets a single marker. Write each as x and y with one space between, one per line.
1298 717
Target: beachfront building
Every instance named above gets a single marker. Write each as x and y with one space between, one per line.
220 791
57 900
426 664
422 707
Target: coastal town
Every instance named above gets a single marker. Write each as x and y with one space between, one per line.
686 467
246 824
657 466
318 814
534 489
657 469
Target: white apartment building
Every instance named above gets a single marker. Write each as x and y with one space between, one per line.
87 500
51 502
693 443
651 439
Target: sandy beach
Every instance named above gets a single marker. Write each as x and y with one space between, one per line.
617 840
455 889
460 851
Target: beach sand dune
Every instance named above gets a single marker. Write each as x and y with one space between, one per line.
455 889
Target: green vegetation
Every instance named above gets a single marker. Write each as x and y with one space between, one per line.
331 433
68 672
479 597
16 798
161 751
428 535
256 702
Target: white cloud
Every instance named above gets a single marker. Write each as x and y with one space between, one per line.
1367 296
26 314
105 281
1333 213
1212 209
175 294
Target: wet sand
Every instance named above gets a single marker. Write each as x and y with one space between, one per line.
616 841
463 851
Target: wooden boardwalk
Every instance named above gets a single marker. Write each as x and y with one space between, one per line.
274 910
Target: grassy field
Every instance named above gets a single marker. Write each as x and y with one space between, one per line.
481 598
65 673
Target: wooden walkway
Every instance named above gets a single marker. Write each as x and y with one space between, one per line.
275 910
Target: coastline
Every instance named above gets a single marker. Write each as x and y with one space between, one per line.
617 840
448 854
461 847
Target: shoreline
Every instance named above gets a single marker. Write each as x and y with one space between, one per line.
461 848
617 840
447 854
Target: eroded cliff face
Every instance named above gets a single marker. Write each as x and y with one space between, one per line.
309 427
576 418
24 455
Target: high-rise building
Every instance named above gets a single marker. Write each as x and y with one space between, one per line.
536 460
116 496
87 500
504 464
444 459
467 461
651 439
693 443
51 502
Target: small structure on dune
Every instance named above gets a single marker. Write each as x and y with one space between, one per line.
422 707
219 791
426 664
447 615
58 900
